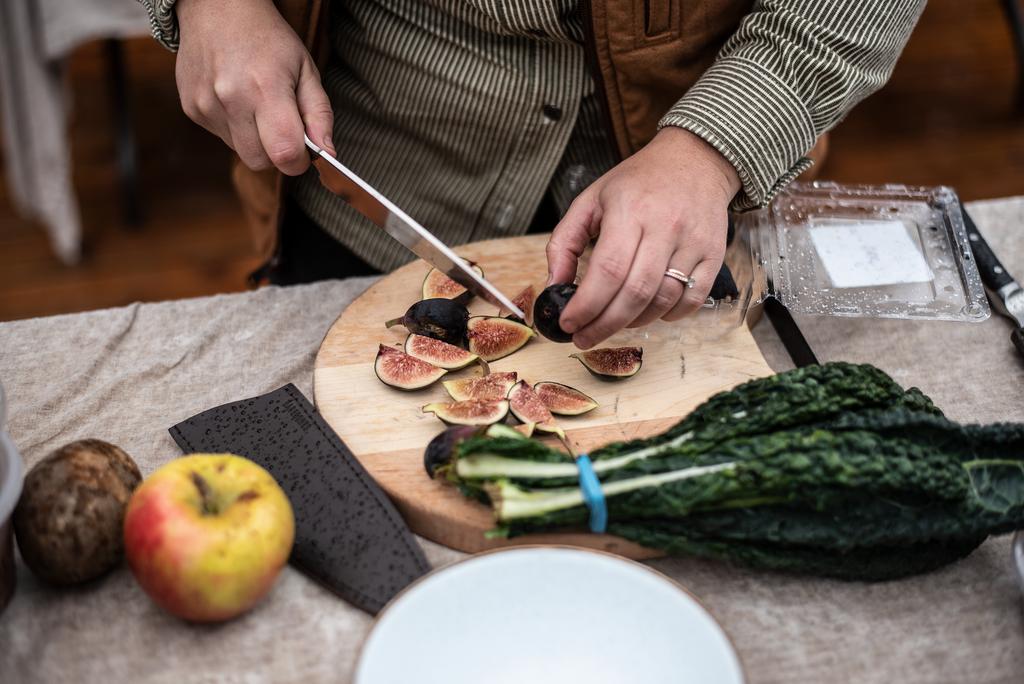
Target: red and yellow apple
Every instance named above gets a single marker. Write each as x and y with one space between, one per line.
206 535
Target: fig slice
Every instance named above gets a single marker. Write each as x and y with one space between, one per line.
612 363
471 412
438 353
564 400
524 300
442 319
437 285
548 309
397 369
489 388
493 338
528 408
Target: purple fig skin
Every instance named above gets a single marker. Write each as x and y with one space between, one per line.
547 311
442 319
442 448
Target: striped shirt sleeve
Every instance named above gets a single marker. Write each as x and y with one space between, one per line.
163 22
792 70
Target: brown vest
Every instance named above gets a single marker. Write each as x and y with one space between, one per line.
644 55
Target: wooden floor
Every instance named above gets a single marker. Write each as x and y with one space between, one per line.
948 116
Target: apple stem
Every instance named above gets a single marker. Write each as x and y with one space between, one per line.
209 508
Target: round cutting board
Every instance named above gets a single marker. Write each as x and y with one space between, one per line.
387 431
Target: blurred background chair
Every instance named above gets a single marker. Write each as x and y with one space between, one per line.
1015 15
36 37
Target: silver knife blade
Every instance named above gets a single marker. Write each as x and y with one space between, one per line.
1012 297
399 225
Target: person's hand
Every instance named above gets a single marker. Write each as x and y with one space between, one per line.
246 77
664 207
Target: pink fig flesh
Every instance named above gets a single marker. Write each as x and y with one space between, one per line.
472 412
492 338
564 400
612 363
397 369
437 352
490 387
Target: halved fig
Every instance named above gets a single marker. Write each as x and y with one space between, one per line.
563 400
524 300
472 412
396 368
548 309
492 338
442 319
440 450
438 353
488 388
528 408
439 286
612 363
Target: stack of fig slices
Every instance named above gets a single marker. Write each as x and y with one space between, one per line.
444 337
489 399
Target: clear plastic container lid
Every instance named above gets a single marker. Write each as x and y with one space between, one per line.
887 251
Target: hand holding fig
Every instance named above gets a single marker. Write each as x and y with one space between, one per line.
664 207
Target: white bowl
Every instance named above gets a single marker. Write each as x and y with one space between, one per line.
546 614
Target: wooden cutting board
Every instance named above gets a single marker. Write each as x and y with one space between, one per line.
387 431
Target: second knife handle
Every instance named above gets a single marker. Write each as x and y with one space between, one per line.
992 272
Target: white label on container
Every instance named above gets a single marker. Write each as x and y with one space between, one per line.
869 253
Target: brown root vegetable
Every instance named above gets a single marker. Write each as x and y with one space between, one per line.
472 412
490 387
438 353
492 338
437 285
528 408
401 371
69 518
612 363
563 400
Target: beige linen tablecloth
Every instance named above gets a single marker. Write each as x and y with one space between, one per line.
126 375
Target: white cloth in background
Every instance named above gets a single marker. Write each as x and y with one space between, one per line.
35 38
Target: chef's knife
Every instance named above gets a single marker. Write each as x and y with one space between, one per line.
1006 294
399 225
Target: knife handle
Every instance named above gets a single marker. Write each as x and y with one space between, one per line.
992 272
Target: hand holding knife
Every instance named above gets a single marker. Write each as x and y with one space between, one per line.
385 214
1006 294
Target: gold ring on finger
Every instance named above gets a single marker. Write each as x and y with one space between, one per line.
686 280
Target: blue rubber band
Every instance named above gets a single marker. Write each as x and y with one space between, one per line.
593 495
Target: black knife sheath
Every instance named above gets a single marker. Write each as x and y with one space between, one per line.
348 535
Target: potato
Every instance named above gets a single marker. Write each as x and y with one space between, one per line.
69 518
